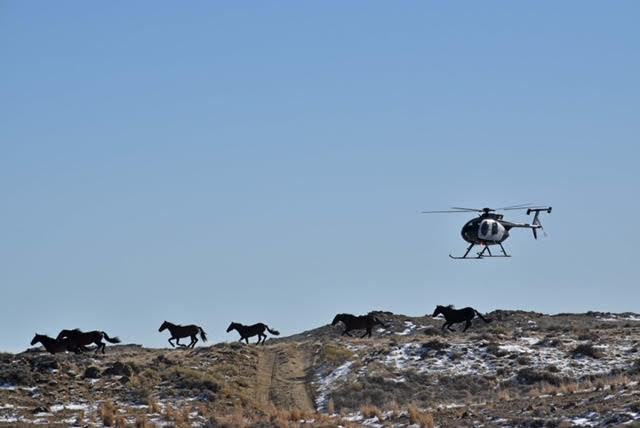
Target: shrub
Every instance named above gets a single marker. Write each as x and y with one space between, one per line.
45 363
336 355
187 378
434 345
16 375
432 331
118 369
587 350
529 376
494 349
91 372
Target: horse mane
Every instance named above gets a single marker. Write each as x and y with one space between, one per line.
450 306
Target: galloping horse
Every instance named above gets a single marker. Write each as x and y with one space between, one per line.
453 316
180 331
50 344
362 322
247 331
78 339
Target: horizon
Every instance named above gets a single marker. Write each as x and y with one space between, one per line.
211 163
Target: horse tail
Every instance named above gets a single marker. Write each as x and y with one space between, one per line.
110 339
274 332
203 336
379 322
481 317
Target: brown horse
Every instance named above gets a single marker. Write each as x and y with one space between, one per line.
247 331
180 331
79 339
52 345
362 322
453 316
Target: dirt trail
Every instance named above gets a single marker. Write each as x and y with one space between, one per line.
284 374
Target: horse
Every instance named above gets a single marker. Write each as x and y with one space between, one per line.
247 331
453 316
362 322
180 331
78 338
52 345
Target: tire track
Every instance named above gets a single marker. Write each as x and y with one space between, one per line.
283 378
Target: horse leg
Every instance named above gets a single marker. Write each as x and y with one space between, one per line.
450 327
467 325
445 324
365 333
194 340
171 343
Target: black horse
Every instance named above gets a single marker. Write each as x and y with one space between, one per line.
362 322
52 345
247 331
453 316
180 331
79 339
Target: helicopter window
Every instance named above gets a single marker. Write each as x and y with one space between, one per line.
484 228
494 229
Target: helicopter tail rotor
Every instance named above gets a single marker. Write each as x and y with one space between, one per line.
536 224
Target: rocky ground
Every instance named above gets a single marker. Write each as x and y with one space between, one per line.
522 369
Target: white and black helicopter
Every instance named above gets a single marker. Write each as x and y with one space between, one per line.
490 229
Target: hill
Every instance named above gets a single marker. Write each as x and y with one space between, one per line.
522 369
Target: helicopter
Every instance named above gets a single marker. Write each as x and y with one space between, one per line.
489 228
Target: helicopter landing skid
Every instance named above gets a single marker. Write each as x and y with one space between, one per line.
466 258
481 254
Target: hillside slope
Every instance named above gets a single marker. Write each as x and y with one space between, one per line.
522 369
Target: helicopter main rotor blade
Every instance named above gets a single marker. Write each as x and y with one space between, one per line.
446 211
523 208
516 206
467 209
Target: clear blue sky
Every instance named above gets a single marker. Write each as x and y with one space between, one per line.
268 162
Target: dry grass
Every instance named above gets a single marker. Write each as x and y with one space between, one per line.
285 416
417 416
120 422
154 406
570 388
236 419
143 422
394 407
169 413
369 412
107 413
503 395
